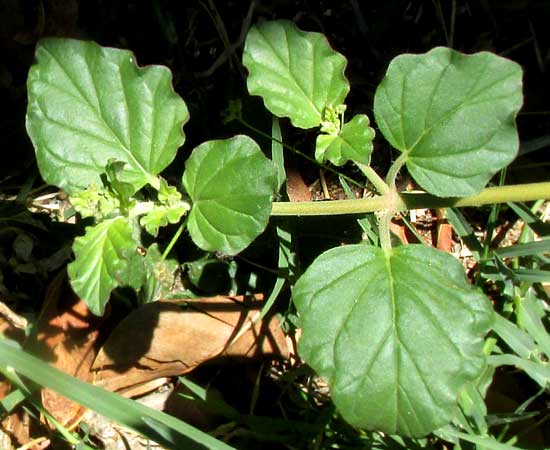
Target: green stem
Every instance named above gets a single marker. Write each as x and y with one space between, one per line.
374 178
298 152
393 201
174 239
384 228
394 170
414 200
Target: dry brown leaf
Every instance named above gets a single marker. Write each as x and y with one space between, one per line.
168 338
444 233
399 231
65 335
296 188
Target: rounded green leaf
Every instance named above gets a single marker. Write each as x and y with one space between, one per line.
231 184
106 257
353 143
396 334
296 73
89 104
453 115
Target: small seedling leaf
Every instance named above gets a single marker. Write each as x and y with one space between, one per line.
231 184
106 257
89 104
396 334
296 73
453 115
353 143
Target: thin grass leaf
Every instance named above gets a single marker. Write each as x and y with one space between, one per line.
530 219
283 266
497 270
39 411
119 409
268 427
369 226
533 145
10 401
531 275
497 419
463 229
413 230
527 249
211 403
536 371
518 340
473 407
277 152
485 442
530 314
350 195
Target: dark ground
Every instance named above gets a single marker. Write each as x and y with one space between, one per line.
190 37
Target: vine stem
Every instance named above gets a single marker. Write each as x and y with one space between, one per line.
374 178
174 239
414 200
393 199
394 170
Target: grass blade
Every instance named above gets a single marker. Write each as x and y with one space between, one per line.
536 371
463 229
174 433
526 249
515 338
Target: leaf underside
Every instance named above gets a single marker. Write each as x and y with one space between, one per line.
231 184
453 115
296 73
89 104
396 335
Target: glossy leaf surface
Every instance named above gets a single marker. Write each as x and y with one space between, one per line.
353 143
89 104
296 73
453 115
106 257
231 184
396 334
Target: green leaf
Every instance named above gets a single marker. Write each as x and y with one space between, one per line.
160 279
353 143
452 115
231 184
171 209
114 170
89 104
95 202
296 73
396 334
106 257
161 216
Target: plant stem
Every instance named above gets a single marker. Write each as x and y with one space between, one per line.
374 178
394 170
174 239
414 200
385 219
